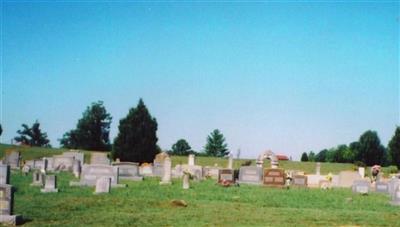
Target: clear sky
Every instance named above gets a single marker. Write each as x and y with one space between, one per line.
290 77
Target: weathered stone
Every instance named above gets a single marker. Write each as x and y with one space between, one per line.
103 185
50 184
314 179
382 187
76 168
62 163
128 170
299 181
4 174
211 172
230 162
186 181
146 169
274 177
191 160
7 205
250 175
76 154
361 186
13 159
166 179
346 178
99 158
91 173
225 175
37 179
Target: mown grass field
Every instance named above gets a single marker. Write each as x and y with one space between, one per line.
147 203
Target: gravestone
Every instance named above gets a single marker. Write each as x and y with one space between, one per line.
177 172
146 169
361 186
194 170
225 175
299 181
361 171
61 163
13 159
325 184
191 160
314 179
75 154
128 171
346 178
99 158
393 184
166 179
160 157
103 185
230 162
186 181
4 174
7 206
250 175
91 173
274 177
318 168
211 172
26 169
382 187
50 163
396 197
50 184
76 168
37 179
158 169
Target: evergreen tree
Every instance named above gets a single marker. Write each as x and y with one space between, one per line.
92 131
137 139
304 157
321 156
32 136
216 145
1 130
370 148
394 148
181 147
311 156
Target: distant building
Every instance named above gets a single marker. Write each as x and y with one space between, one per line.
282 157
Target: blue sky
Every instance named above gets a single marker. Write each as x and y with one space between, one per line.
290 77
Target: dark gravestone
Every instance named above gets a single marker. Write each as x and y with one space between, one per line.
250 175
274 177
37 179
4 174
299 181
225 175
7 205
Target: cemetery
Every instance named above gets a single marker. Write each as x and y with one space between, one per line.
273 192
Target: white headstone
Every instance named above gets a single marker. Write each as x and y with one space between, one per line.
230 162
50 184
166 179
191 160
361 171
103 185
318 169
186 183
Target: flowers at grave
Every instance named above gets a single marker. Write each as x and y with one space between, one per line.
329 177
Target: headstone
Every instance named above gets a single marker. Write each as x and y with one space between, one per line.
361 171
99 158
299 181
160 157
250 175
186 183
43 168
177 172
346 178
76 168
103 185
50 184
226 175
325 184
158 169
26 169
4 174
361 186
50 163
37 179
274 177
7 205
318 168
128 171
13 159
314 179
166 179
382 187
91 173
146 169
230 162
76 155
191 160
61 163
195 170
211 172
393 184
396 196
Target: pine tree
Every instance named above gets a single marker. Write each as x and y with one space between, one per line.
216 145
92 131
181 147
370 148
394 148
304 157
137 139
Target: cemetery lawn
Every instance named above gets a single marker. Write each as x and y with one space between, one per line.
147 203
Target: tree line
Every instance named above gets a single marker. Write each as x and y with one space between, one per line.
368 150
136 140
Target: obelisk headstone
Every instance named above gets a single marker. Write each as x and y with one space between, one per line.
186 183
191 160
230 162
166 179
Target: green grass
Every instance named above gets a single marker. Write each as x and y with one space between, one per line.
148 204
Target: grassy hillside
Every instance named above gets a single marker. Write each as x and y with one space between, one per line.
29 153
148 204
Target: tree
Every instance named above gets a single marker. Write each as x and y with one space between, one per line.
1 130
394 148
311 156
32 136
136 140
370 148
321 156
216 145
92 131
181 147
304 157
